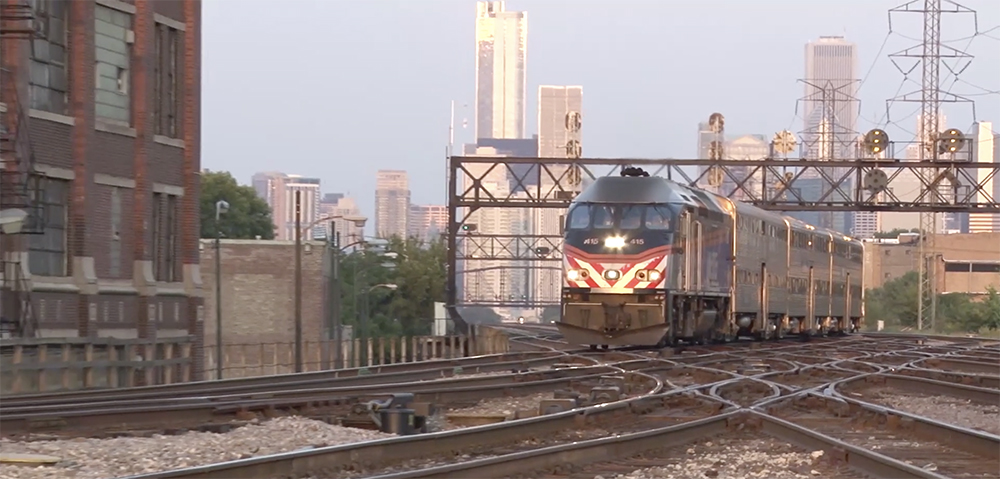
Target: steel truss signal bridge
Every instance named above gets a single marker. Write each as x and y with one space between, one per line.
949 184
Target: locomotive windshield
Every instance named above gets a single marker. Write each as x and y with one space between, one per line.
619 217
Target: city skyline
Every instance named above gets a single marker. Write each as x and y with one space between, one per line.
829 111
637 107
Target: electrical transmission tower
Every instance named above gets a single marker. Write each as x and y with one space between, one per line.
931 55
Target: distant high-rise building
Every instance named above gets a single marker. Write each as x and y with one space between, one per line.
830 104
265 184
748 148
278 190
489 280
392 203
907 186
554 104
338 207
501 81
983 151
427 222
331 198
308 190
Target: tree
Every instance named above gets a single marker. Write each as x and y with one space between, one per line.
418 272
248 215
990 307
895 303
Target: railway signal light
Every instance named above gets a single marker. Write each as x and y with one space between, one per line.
469 227
951 141
876 141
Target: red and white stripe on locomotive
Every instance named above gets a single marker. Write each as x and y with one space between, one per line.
615 274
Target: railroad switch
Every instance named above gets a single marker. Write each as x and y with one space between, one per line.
395 417
566 394
605 394
554 406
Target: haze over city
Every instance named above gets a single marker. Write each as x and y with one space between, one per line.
361 86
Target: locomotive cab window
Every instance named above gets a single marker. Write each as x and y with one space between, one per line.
658 217
579 218
631 217
604 217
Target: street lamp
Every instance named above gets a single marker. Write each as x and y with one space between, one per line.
221 207
358 221
333 319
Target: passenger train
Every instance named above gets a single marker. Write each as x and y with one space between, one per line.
650 262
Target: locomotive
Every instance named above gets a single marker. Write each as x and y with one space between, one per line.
650 262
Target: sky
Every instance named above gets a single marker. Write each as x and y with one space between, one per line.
338 89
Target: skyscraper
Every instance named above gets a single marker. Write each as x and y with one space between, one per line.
983 148
278 190
554 103
392 203
830 109
338 206
501 83
427 222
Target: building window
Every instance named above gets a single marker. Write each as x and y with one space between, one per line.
47 82
115 260
47 251
112 40
165 81
165 237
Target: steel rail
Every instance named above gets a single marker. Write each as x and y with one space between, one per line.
609 448
952 377
413 447
375 375
928 386
977 442
146 412
943 363
363 387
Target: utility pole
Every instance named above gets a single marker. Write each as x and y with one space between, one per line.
929 53
298 281
336 300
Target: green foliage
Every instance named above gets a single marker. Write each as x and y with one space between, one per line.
419 273
896 304
248 215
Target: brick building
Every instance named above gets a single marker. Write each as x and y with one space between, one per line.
964 263
104 108
258 291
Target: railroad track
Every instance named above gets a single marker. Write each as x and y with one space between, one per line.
696 399
934 447
328 403
424 370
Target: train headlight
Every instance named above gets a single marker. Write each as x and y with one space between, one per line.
653 275
612 274
614 242
577 274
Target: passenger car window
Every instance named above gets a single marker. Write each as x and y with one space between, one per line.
631 217
579 218
603 217
658 218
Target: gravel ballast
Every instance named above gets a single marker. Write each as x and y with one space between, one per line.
84 458
960 412
724 458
